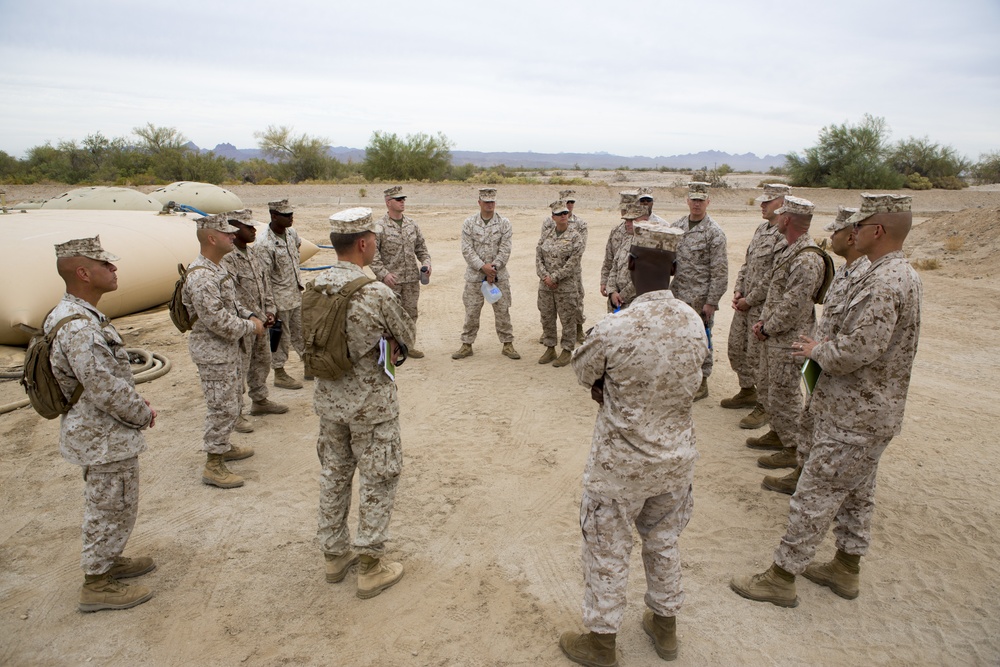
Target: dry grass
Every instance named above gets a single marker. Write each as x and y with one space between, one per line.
929 264
954 243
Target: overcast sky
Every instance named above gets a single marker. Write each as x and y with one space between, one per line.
631 78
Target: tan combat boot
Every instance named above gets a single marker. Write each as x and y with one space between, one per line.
337 566
565 357
463 352
757 418
591 649
509 351
375 575
237 453
784 459
842 575
784 484
580 333
774 585
702 390
413 352
284 380
267 407
102 591
126 568
217 474
769 440
243 425
548 356
745 398
663 631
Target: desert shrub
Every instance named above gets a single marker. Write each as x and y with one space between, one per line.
929 264
362 192
847 156
768 181
949 182
939 164
558 180
915 181
417 157
987 170
300 158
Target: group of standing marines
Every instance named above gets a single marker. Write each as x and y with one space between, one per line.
644 364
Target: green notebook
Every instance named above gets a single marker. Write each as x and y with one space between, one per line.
810 373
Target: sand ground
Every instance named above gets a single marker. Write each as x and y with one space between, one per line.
486 518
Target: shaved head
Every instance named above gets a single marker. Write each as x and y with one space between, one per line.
896 225
799 222
67 266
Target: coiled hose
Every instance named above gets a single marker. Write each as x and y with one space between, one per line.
146 366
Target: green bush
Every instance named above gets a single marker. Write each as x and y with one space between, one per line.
300 158
419 157
847 156
941 164
949 182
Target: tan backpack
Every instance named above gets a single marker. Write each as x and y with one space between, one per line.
40 382
324 327
179 314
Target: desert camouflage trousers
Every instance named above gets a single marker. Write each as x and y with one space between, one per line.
779 391
111 504
837 486
409 295
291 336
580 317
472 297
563 303
222 385
376 452
607 545
743 348
255 364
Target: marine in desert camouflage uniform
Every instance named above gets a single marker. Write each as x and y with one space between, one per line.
578 223
253 292
841 243
102 432
486 246
359 416
702 265
646 199
857 407
400 244
210 295
788 313
749 292
557 263
278 251
643 365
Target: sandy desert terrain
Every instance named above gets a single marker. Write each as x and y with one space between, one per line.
486 518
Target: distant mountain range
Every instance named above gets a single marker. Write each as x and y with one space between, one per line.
710 159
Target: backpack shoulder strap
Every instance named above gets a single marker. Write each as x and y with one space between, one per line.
51 335
348 290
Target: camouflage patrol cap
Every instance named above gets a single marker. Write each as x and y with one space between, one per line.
772 191
243 216
90 248
218 221
635 210
559 207
657 236
487 194
626 197
281 206
872 204
567 195
844 214
395 192
353 221
698 190
796 206
645 193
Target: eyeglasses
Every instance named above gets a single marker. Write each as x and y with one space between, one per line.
858 225
563 213
399 198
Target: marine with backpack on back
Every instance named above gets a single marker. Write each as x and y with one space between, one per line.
358 410
101 430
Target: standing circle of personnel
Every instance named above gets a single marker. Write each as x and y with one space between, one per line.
645 364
